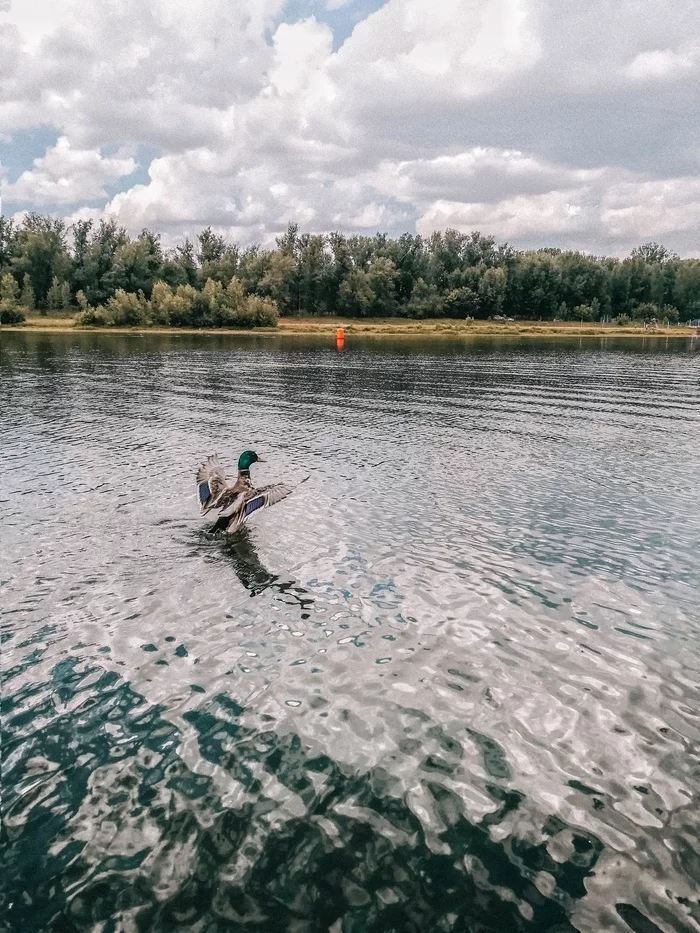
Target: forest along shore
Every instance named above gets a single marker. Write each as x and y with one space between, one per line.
375 327
108 279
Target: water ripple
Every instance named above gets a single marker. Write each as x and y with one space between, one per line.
450 684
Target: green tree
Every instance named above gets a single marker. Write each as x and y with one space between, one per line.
7 230
355 296
492 291
59 295
97 274
27 295
585 313
312 268
11 312
686 297
9 289
653 253
381 277
426 301
39 251
462 303
212 247
253 267
138 264
281 282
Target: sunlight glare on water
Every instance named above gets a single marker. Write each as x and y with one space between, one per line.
450 684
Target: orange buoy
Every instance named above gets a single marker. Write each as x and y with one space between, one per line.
340 338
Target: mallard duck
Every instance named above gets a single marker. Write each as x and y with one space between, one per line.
236 502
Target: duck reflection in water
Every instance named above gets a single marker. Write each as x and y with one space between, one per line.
239 549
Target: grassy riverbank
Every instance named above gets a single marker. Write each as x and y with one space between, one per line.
375 327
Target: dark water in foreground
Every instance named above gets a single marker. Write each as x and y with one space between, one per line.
449 685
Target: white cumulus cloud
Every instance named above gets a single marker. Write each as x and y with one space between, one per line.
65 175
540 121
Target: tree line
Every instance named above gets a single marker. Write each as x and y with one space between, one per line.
107 277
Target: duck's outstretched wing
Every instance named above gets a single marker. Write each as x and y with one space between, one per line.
211 482
257 499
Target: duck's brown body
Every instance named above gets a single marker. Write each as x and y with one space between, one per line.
235 503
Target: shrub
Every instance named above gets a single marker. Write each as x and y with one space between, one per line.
11 311
184 306
258 312
584 313
647 311
91 317
125 309
213 306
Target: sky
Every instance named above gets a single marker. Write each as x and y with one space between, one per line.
540 122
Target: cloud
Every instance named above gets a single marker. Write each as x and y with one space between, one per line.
65 175
542 215
667 207
483 174
536 120
665 64
300 52
607 210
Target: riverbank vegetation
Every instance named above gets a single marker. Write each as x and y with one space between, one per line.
106 278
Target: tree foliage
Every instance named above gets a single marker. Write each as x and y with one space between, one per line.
182 306
103 272
11 311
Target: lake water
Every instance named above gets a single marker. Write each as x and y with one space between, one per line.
450 684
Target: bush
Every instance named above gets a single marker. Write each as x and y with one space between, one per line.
184 306
584 313
126 309
173 307
258 312
11 311
123 310
213 306
91 317
647 311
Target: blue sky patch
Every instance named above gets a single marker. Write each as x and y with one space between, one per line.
342 21
25 146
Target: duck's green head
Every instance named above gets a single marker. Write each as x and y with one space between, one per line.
247 459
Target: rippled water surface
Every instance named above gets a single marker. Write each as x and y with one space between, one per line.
450 684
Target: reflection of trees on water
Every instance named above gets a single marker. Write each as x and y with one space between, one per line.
352 854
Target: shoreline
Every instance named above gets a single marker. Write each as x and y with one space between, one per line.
444 328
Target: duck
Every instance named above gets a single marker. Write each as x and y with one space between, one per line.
235 502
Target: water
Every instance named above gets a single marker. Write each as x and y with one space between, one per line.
450 684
